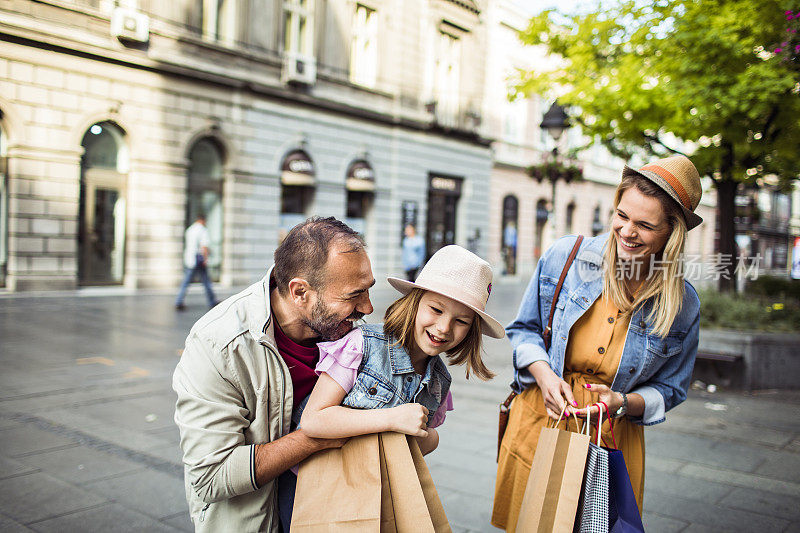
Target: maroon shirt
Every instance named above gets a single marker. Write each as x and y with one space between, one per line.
301 361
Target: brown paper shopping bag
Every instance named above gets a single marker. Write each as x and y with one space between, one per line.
554 484
410 501
340 489
374 483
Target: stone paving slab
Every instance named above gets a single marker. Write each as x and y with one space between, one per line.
155 494
38 496
26 440
80 465
111 518
718 517
8 525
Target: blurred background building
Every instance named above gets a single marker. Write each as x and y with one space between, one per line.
522 219
123 119
120 120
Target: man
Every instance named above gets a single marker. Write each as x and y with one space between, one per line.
195 257
250 361
413 252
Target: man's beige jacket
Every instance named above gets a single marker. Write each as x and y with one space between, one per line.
234 391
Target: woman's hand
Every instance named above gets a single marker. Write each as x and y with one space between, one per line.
555 391
409 418
609 397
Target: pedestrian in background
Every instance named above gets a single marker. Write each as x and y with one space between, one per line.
625 329
413 252
195 259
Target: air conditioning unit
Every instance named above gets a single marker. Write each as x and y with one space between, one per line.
299 69
130 25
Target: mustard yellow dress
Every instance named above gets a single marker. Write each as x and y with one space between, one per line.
593 354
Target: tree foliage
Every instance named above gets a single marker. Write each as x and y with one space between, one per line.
719 77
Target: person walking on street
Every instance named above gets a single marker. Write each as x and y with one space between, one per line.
195 258
247 366
413 252
625 329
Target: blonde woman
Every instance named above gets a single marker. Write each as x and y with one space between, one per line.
625 328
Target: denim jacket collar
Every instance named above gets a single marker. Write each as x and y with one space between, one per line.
400 361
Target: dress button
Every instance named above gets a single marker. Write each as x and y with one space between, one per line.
409 379
601 350
631 370
642 324
590 371
611 320
373 391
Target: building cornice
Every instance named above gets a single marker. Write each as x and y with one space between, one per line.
137 59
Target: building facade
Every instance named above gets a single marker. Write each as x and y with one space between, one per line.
122 120
523 222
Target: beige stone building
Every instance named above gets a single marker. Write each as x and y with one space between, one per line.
121 120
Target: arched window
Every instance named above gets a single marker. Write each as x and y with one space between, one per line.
597 224
509 227
102 220
360 185
542 215
3 206
204 196
568 219
297 189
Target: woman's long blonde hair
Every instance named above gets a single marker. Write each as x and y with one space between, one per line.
399 323
665 285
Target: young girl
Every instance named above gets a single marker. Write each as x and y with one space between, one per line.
389 377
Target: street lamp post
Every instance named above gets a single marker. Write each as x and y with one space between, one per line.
555 121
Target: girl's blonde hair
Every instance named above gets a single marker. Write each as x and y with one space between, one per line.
665 285
399 323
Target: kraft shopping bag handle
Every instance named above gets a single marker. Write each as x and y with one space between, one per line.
561 416
587 426
611 426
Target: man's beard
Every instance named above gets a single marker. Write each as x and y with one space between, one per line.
327 325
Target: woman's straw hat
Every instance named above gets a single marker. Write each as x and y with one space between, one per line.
461 275
679 179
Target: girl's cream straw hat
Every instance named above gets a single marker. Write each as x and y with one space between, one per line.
461 275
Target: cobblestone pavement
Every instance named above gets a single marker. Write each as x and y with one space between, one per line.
87 441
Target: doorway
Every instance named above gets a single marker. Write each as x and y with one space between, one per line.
102 217
443 195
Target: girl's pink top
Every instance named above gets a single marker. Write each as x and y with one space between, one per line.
341 359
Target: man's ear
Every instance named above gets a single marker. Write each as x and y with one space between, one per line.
299 291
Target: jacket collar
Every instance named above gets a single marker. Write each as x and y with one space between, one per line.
259 311
592 249
400 362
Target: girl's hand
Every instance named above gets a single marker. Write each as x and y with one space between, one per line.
609 397
409 418
555 391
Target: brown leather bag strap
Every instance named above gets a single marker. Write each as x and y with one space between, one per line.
506 405
548 330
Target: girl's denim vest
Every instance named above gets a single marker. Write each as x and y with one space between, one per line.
386 377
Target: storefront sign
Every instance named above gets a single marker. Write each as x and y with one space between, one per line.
440 183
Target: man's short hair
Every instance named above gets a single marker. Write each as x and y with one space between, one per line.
304 251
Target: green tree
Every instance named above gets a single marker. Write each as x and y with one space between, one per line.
718 75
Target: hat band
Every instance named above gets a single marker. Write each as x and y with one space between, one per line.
673 182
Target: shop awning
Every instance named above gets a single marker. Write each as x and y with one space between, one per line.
360 176
298 170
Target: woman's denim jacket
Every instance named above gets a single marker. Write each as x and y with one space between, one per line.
386 377
657 369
